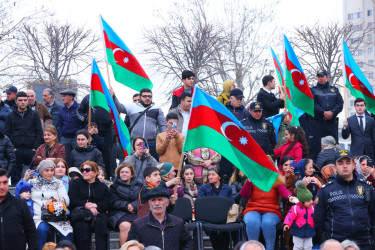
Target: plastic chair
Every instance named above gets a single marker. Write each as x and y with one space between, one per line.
182 208
213 212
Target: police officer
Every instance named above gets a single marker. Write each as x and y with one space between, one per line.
345 207
260 128
328 103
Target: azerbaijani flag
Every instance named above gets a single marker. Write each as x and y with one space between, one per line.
355 80
213 126
100 96
289 104
126 68
296 80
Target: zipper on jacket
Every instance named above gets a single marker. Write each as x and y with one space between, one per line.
350 205
307 219
162 237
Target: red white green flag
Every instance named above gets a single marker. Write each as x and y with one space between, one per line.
213 126
125 66
289 104
296 81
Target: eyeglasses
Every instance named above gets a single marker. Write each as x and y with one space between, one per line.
147 96
86 170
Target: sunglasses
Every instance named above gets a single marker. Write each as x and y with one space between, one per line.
86 170
147 96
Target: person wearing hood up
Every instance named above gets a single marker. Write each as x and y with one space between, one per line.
225 95
140 158
305 170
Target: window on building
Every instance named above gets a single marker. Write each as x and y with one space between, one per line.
360 64
351 103
369 12
371 62
370 50
370 25
370 38
358 52
357 27
355 15
370 75
354 40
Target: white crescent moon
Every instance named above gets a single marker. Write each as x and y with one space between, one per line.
115 50
295 70
225 125
350 76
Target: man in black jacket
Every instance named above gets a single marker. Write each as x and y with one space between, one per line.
271 104
24 129
345 207
235 105
17 226
159 228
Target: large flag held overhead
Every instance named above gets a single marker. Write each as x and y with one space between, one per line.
296 80
100 96
289 104
356 81
213 126
126 68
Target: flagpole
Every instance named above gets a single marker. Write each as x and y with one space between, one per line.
89 119
344 77
109 80
178 173
284 83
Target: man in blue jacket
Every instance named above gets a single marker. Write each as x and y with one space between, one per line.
345 207
69 123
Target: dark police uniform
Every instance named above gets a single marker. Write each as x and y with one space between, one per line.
263 133
346 210
326 98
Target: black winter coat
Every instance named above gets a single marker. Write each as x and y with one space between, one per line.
121 195
98 115
240 113
326 98
81 192
173 236
326 157
263 133
17 225
24 129
7 155
346 210
80 155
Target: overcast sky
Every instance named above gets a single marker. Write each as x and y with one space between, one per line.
128 18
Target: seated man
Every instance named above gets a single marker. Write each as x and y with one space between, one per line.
159 228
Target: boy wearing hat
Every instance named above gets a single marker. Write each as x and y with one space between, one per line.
300 219
23 191
168 174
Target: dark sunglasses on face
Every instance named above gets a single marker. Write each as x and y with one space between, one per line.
147 96
86 170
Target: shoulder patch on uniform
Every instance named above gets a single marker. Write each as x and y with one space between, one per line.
328 183
364 181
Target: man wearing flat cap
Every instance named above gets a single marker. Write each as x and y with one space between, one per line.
158 228
328 103
260 128
69 123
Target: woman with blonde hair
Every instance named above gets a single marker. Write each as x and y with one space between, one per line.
50 148
132 245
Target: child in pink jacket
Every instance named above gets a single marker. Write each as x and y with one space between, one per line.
300 219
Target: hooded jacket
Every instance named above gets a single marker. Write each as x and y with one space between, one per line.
224 96
24 129
80 155
140 163
4 112
176 96
152 122
301 221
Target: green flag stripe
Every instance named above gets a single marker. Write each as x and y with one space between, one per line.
370 103
204 136
97 99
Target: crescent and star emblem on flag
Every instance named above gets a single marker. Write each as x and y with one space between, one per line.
243 140
301 81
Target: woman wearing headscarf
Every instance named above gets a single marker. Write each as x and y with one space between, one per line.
327 155
227 87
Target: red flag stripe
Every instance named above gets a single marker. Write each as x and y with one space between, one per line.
96 84
203 116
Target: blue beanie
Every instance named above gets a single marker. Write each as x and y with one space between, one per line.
165 168
22 186
300 167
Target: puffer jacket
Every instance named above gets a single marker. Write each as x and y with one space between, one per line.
207 190
301 221
176 96
148 125
173 236
122 194
7 155
4 112
80 155
140 163
295 152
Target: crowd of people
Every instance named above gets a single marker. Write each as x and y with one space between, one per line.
71 179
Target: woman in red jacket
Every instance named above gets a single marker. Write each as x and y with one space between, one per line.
263 210
295 145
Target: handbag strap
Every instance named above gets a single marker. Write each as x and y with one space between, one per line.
139 117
